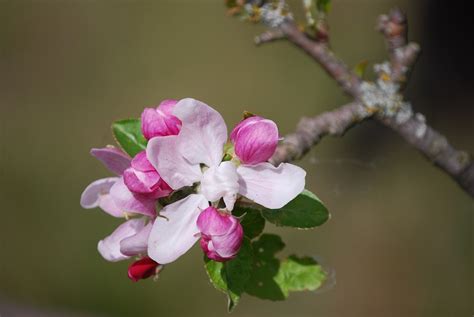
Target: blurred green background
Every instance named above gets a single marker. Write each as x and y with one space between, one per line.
400 239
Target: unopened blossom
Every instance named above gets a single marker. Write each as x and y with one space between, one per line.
221 234
194 156
255 140
142 269
142 178
160 121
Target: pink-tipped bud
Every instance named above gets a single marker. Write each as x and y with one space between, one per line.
221 234
160 121
142 269
255 140
142 178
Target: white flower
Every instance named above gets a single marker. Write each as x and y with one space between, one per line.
195 156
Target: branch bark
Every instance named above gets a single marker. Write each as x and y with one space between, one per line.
311 130
432 144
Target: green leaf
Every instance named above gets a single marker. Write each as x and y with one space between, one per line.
231 277
262 283
305 211
300 274
323 5
274 280
129 135
251 220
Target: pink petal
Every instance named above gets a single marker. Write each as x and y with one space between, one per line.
228 245
255 140
163 153
132 202
108 205
109 247
114 159
209 250
141 182
160 121
141 163
269 186
138 243
175 231
97 195
221 234
211 222
203 133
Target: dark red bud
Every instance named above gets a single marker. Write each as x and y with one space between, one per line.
142 269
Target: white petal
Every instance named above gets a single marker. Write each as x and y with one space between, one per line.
163 153
97 195
138 243
203 133
109 247
221 182
270 186
175 231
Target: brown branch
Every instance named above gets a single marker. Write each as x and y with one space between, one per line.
310 131
459 165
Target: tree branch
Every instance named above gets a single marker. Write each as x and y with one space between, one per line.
436 148
310 131
382 97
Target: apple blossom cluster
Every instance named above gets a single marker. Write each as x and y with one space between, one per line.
185 183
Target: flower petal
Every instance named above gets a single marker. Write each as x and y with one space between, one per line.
109 247
203 133
221 182
163 153
138 243
175 231
114 159
270 186
160 121
132 202
141 182
141 163
108 205
97 195
227 246
255 140
211 222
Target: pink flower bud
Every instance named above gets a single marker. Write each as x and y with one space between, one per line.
142 178
142 269
160 121
221 234
255 140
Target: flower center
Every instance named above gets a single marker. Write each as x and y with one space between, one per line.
221 182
